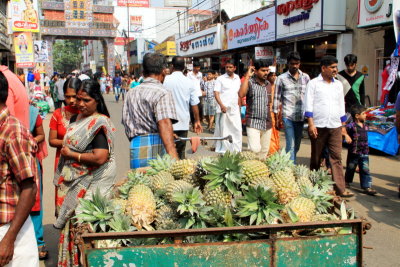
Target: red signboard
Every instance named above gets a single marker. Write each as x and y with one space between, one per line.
285 9
134 3
122 40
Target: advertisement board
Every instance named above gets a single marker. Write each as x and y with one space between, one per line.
41 51
374 12
295 18
24 16
253 29
23 47
136 24
264 52
134 3
122 40
205 41
166 48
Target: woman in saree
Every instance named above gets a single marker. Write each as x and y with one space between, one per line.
87 162
60 120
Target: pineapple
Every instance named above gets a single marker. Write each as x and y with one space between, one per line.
163 163
216 197
119 223
302 173
303 208
160 180
247 155
253 169
265 182
166 218
141 206
280 167
120 204
259 205
184 170
133 178
324 218
177 186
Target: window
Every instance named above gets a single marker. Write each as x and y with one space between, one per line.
78 8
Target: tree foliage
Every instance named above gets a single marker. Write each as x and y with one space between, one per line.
67 55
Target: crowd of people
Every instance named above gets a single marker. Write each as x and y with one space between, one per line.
158 108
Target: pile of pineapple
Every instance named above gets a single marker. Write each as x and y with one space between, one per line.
233 189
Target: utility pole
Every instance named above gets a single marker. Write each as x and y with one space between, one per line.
128 49
178 13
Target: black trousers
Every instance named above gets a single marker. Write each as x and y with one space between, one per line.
181 145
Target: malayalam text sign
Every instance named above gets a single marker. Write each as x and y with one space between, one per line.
374 12
256 28
134 3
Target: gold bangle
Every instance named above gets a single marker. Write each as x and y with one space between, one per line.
79 157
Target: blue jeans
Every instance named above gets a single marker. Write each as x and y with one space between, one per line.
293 135
362 161
117 92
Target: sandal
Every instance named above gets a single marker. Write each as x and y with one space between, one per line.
370 191
43 253
347 194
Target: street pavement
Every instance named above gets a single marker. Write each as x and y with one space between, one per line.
381 243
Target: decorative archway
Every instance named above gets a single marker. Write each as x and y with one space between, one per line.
80 19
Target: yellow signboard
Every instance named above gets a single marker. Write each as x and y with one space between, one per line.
167 48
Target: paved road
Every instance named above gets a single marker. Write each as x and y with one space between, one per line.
381 242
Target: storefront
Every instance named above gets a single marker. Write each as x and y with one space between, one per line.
314 28
167 48
204 45
376 43
246 35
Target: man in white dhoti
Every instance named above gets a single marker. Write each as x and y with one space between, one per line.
227 118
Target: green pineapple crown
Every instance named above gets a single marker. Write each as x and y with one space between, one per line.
259 205
225 172
322 179
321 200
279 161
96 212
163 163
192 207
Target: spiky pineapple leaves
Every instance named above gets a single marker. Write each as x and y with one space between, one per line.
192 207
96 212
321 199
225 172
260 206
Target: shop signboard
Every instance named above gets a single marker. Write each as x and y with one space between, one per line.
23 46
264 52
133 3
24 16
297 17
166 48
396 24
253 29
374 12
122 40
202 42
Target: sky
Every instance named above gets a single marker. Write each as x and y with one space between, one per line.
160 3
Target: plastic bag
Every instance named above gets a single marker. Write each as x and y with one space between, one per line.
50 101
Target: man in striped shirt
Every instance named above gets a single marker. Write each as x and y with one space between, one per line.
257 91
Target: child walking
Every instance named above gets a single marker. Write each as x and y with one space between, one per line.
358 153
209 99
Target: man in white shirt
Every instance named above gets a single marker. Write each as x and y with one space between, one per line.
196 76
325 112
185 96
227 119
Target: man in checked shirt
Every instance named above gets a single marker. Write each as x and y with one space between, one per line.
17 188
290 88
